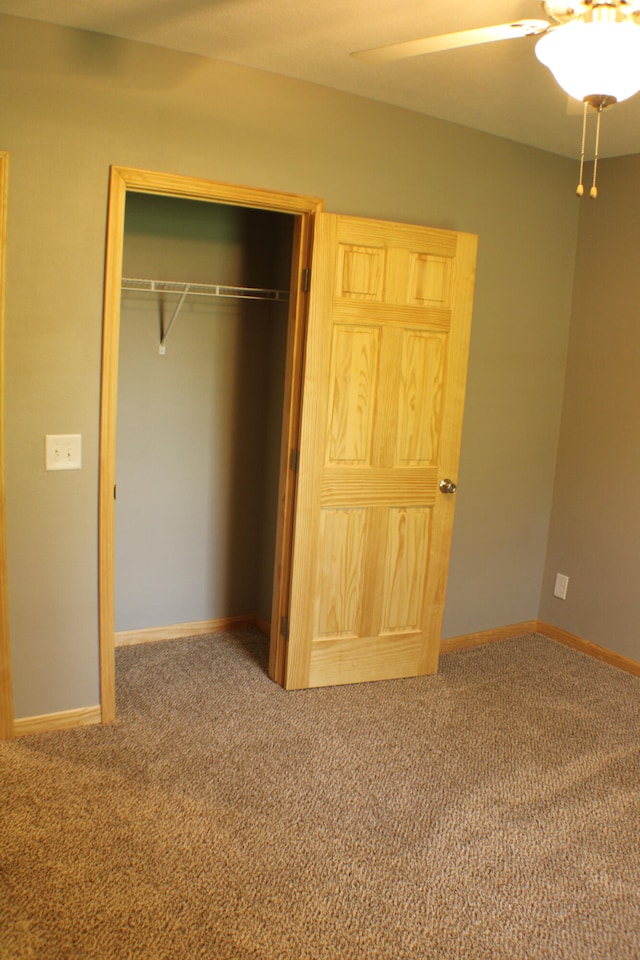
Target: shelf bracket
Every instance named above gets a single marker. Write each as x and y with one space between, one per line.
164 333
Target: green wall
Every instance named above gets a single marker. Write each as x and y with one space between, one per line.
72 104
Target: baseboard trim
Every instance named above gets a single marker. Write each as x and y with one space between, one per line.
85 716
65 720
586 646
467 640
195 628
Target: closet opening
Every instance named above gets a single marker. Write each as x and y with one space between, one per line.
203 335
203 342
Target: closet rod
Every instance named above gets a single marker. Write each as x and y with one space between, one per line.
183 290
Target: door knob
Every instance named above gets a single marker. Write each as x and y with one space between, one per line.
447 486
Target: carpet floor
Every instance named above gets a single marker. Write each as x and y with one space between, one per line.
487 813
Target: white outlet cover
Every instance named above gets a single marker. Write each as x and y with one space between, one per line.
63 451
561 586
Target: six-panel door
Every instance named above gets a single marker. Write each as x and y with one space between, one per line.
385 367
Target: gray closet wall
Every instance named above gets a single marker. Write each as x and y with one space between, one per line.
198 434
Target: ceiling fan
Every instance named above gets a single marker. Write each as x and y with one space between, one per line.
592 48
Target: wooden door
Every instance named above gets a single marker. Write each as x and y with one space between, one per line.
385 368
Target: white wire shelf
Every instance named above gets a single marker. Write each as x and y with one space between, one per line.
183 290
203 289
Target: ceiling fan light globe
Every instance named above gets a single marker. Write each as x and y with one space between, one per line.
593 59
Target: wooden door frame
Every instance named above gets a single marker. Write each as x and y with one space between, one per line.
6 687
122 181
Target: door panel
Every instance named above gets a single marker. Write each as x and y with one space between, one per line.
406 555
386 357
352 384
420 398
342 545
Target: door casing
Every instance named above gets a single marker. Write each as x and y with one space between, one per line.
6 687
122 181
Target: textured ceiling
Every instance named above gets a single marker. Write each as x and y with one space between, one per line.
499 88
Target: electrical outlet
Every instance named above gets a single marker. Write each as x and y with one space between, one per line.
560 589
63 451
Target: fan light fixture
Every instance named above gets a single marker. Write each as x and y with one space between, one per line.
597 60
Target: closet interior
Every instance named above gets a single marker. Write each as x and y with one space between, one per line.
202 353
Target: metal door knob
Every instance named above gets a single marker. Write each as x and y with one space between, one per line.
447 486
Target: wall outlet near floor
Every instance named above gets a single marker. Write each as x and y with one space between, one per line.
560 589
63 451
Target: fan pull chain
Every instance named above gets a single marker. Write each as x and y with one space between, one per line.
598 104
593 193
580 189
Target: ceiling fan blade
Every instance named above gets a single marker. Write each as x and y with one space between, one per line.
450 41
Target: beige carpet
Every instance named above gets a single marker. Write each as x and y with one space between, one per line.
488 813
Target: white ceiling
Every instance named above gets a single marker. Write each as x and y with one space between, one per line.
500 88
